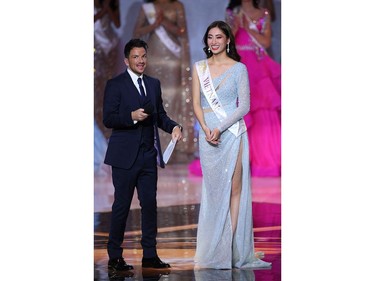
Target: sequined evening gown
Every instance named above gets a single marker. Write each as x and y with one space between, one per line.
175 78
217 246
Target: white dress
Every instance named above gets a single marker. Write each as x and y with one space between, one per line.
217 246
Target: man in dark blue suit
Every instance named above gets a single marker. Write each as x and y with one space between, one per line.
133 108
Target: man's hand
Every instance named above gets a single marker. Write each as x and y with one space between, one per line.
139 115
177 133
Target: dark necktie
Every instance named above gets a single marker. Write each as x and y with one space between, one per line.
141 87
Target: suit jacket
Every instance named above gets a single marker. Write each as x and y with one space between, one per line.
121 97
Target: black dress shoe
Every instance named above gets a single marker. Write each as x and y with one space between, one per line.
118 265
154 263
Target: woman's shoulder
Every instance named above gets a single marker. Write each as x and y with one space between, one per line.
240 66
235 66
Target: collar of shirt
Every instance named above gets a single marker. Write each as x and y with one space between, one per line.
134 78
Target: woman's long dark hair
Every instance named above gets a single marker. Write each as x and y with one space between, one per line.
225 28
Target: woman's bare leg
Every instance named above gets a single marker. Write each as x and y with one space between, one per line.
236 190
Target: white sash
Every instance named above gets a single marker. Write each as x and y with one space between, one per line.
150 12
255 41
209 92
253 26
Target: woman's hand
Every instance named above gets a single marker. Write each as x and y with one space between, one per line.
212 136
159 19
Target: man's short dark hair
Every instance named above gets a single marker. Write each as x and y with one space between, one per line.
134 43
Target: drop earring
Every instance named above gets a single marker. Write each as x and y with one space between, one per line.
228 48
209 50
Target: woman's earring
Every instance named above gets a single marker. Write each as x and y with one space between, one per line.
209 50
228 48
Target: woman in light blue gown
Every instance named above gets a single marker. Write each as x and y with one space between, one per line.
221 99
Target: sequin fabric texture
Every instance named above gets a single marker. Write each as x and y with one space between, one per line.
217 246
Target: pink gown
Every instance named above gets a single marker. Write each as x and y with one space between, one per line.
264 118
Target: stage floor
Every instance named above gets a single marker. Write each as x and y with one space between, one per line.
178 207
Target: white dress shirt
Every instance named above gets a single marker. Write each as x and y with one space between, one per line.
134 78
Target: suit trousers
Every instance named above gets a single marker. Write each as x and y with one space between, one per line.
143 176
